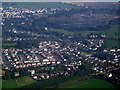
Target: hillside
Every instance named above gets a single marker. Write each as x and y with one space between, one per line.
94 4
32 5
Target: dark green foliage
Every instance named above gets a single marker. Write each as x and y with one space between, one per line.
104 56
7 75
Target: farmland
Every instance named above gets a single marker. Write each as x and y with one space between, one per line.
16 83
113 32
113 36
62 31
9 44
91 83
88 32
112 43
33 5
0 85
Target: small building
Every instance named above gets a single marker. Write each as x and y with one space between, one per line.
46 28
109 75
16 74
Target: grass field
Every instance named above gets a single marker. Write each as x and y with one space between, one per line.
113 32
0 85
17 82
84 54
2 71
9 44
62 31
112 43
91 83
87 32
32 5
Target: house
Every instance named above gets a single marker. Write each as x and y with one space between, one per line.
112 50
47 76
16 74
109 75
46 28
35 77
31 71
118 50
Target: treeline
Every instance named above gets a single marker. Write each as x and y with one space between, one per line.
10 74
103 56
97 28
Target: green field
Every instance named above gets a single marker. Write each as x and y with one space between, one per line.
91 83
112 43
16 83
32 5
112 35
88 32
84 54
0 85
9 44
113 32
62 31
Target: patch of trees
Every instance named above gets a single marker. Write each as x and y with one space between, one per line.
27 44
103 56
115 79
98 27
43 22
83 72
10 74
